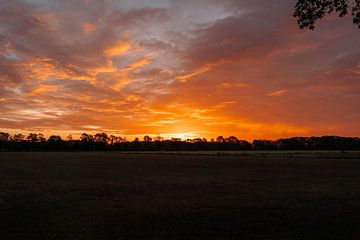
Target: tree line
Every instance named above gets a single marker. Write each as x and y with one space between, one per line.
104 142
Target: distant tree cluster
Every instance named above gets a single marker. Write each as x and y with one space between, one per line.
103 142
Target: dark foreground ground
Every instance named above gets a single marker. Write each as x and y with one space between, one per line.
146 196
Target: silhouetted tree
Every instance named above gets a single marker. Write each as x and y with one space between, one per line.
220 139
41 137
86 137
244 145
18 137
4 137
158 139
195 140
55 143
264 145
32 137
147 138
308 12
112 139
294 143
5 141
101 138
54 138
232 140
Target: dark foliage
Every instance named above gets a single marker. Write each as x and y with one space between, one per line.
103 142
308 12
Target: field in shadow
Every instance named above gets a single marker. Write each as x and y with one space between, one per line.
162 196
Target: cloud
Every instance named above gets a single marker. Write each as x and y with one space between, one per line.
277 93
194 68
89 28
118 49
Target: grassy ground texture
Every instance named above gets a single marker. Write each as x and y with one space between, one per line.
248 195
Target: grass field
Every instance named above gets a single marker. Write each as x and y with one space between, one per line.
179 196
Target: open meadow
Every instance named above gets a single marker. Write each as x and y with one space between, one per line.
250 195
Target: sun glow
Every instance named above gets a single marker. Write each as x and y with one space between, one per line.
183 136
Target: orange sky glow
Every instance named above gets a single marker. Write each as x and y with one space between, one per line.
177 69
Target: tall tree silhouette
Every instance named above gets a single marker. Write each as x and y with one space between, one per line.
308 12
147 138
54 138
19 137
112 139
86 137
101 138
32 137
4 137
220 139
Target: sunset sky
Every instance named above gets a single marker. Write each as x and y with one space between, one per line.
198 68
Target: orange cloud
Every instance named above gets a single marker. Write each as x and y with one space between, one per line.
277 93
233 85
42 68
118 49
89 28
139 63
43 88
357 70
201 70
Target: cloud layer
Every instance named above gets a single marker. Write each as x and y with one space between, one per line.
176 68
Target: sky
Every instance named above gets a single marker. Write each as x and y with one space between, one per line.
198 68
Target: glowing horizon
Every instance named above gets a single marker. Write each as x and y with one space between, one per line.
176 69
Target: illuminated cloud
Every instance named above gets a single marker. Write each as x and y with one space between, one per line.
118 48
277 93
176 68
89 28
